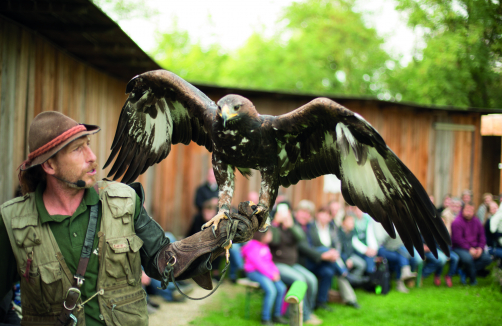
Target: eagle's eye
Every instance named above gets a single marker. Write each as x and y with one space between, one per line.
237 107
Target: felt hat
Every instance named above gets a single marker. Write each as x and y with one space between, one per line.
51 131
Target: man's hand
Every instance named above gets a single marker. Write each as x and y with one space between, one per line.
277 277
426 249
370 252
473 252
349 263
331 255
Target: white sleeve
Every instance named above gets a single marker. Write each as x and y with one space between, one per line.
370 236
495 220
358 245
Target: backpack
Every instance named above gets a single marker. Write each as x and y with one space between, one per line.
379 282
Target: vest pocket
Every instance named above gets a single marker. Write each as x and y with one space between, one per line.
52 285
130 309
32 291
123 258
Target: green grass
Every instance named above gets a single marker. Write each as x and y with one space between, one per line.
429 305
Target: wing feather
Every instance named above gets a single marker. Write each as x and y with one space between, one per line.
323 137
162 109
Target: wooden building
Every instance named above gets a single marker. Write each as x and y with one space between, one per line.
70 57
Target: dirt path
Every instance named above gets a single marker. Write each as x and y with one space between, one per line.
182 313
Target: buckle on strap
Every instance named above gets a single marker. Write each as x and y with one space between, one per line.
71 292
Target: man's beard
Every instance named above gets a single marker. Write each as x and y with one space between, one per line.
70 178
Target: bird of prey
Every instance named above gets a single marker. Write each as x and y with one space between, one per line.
321 137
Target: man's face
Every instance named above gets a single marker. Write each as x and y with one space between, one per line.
348 223
468 212
466 198
303 216
323 217
455 207
76 161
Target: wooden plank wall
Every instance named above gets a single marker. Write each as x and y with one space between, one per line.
36 76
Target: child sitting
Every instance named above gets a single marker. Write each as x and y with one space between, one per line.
259 268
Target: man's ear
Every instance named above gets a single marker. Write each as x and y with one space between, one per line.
48 167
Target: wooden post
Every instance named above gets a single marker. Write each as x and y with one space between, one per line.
295 298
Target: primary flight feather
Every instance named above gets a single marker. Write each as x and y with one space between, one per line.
321 137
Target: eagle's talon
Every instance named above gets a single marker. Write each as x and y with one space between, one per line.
214 230
265 229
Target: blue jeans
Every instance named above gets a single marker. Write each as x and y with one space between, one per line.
289 274
236 262
167 294
370 262
497 252
454 259
325 271
433 264
274 293
396 260
470 265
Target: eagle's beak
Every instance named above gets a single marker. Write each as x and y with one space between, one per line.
227 115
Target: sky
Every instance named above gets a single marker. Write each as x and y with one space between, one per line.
231 22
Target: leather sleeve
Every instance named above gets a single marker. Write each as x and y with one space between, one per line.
153 236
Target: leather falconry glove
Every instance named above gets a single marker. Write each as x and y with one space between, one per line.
192 256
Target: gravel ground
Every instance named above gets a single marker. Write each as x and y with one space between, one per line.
182 313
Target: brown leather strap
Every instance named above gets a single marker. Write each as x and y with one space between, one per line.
73 294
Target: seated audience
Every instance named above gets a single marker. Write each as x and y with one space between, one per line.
336 211
323 237
364 243
260 268
468 241
397 256
484 208
450 213
354 263
493 232
466 197
284 248
445 204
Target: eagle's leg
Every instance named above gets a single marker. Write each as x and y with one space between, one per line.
224 175
268 193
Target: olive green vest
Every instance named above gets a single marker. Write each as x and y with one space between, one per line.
123 301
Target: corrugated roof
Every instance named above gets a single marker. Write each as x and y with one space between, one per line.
83 30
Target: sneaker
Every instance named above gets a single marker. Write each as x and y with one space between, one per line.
400 287
313 320
323 306
354 305
447 280
280 320
437 280
267 322
151 303
150 309
177 296
475 282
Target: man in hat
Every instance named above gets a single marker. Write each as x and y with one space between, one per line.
78 245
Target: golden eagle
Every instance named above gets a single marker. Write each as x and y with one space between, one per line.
321 137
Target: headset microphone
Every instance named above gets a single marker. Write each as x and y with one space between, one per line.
79 183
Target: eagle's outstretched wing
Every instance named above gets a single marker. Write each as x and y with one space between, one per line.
162 109
323 137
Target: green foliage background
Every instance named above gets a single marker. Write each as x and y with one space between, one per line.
324 47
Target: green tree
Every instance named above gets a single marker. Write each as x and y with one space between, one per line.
322 46
461 64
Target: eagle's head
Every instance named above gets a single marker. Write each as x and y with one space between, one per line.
233 107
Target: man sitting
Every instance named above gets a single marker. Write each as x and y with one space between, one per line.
468 241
